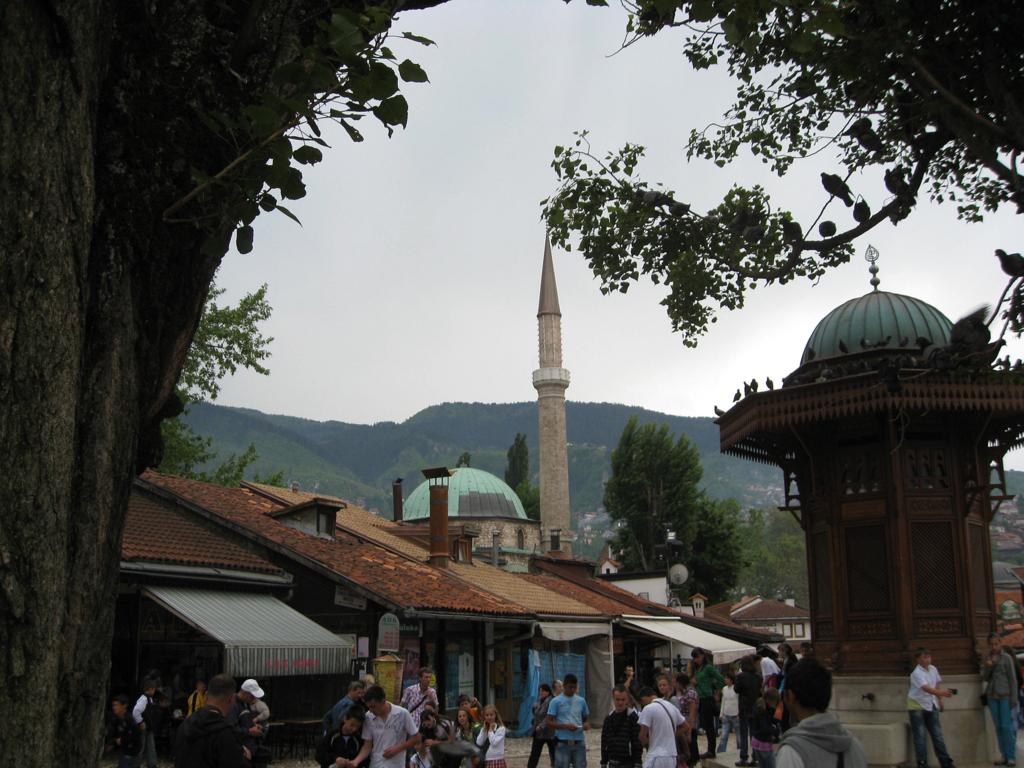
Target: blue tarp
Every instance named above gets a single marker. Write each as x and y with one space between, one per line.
544 667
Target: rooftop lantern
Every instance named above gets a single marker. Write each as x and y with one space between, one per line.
890 435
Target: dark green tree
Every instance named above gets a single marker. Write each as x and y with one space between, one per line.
653 487
517 475
518 468
926 97
776 555
717 555
228 338
463 460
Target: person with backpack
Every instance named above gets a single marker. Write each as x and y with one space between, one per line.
817 739
147 716
662 729
345 742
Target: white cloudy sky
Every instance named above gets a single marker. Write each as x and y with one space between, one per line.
414 277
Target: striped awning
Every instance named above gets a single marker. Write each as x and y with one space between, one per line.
262 636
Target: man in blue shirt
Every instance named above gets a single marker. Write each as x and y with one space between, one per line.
335 716
568 716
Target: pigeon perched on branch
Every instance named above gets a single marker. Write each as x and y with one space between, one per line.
836 187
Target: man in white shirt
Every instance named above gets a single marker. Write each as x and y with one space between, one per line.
924 702
387 733
660 722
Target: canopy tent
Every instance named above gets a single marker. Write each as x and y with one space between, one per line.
261 635
677 631
571 630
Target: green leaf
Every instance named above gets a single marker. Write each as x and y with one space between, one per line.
412 72
307 155
289 214
702 10
351 130
418 39
243 239
268 202
393 111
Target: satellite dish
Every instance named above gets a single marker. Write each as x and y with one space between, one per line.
678 574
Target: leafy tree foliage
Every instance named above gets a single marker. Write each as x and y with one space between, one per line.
463 460
717 555
776 559
518 468
927 96
228 337
517 475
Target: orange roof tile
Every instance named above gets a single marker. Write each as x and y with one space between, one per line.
530 595
155 531
767 610
389 574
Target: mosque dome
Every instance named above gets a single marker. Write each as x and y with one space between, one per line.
471 493
868 321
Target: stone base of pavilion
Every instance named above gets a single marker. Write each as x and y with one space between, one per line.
884 729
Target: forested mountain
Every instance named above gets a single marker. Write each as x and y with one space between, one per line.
359 462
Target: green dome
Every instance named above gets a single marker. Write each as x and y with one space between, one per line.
471 493
875 317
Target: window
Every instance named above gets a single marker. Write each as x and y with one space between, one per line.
800 630
644 595
787 630
521 539
325 523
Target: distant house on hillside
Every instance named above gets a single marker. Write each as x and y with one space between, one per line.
784 617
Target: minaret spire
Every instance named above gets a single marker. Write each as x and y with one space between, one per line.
551 380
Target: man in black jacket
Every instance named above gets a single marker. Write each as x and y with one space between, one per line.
620 734
748 688
206 739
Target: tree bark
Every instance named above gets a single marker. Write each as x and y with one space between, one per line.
99 299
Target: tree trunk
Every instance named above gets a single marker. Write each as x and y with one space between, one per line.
100 107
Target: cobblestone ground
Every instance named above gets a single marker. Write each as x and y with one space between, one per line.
516 753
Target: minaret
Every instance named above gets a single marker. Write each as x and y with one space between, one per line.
551 380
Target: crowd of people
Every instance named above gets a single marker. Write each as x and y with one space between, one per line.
773 704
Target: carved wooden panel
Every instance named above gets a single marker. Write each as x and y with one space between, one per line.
934 574
859 470
871 629
867 569
929 505
872 509
822 573
926 468
824 629
945 626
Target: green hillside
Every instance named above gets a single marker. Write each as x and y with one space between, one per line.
359 462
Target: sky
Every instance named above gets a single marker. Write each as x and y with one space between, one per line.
414 277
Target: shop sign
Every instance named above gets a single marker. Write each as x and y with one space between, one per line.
388 631
345 598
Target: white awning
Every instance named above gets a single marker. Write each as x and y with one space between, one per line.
676 631
262 636
571 630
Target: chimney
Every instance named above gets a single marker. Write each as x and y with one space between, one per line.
396 499
295 486
791 602
437 479
698 601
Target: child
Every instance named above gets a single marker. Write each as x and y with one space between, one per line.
422 757
730 710
123 734
765 729
345 743
493 734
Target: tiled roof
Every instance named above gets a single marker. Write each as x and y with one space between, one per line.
531 596
156 532
629 603
286 495
391 576
766 610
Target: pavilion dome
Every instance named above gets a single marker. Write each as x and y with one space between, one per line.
471 493
873 318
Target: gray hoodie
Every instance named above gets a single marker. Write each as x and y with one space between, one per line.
816 742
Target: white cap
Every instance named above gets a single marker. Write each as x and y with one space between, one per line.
251 686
